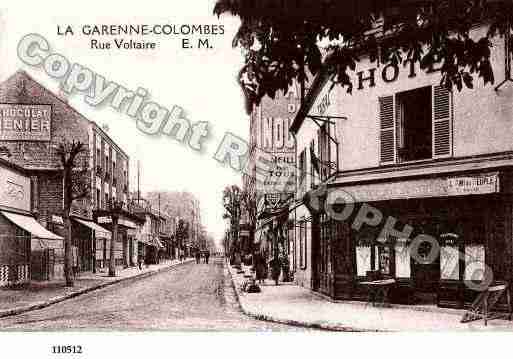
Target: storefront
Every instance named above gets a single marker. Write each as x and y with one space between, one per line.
126 246
93 243
22 238
439 238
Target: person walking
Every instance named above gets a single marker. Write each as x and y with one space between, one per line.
259 263
207 255
198 256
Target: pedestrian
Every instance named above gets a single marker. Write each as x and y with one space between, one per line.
207 254
259 263
275 269
198 256
140 262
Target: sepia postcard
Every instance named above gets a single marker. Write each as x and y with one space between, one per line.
171 169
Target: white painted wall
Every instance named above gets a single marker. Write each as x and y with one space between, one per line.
482 123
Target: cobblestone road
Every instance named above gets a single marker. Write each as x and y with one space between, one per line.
188 297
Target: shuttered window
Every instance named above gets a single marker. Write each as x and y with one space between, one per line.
442 132
404 133
387 130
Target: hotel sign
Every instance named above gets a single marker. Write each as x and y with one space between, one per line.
19 122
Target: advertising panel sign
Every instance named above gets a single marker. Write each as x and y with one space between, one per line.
14 190
19 122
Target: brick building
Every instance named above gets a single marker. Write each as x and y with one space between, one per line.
19 230
33 122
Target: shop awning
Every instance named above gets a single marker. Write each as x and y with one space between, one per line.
29 224
99 231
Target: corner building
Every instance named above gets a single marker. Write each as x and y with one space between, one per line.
402 147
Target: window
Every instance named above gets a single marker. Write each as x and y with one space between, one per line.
384 259
314 165
302 244
98 198
98 157
327 237
302 171
414 124
325 165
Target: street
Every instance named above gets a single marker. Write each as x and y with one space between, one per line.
188 297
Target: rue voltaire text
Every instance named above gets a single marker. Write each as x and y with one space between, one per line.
122 44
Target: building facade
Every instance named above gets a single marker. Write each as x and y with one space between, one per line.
19 230
422 178
271 185
34 122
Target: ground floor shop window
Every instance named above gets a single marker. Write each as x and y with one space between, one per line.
363 260
383 259
474 262
449 262
402 260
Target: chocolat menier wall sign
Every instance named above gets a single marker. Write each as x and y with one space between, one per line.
19 122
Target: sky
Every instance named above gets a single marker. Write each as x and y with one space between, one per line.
202 81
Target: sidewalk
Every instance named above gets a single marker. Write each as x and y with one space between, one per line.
294 305
37 295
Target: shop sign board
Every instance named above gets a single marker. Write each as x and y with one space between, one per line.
21 122
14 190
423 188
482 184
273 118
124 222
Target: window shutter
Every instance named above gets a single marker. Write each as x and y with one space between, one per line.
442 131
387 130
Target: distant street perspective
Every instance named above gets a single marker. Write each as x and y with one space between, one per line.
336 165
189 297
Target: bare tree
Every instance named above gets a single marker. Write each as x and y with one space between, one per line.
232 205
76 186
248 200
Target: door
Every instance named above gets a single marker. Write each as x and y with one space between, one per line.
426 274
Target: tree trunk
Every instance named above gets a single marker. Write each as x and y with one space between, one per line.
68 253
113 240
